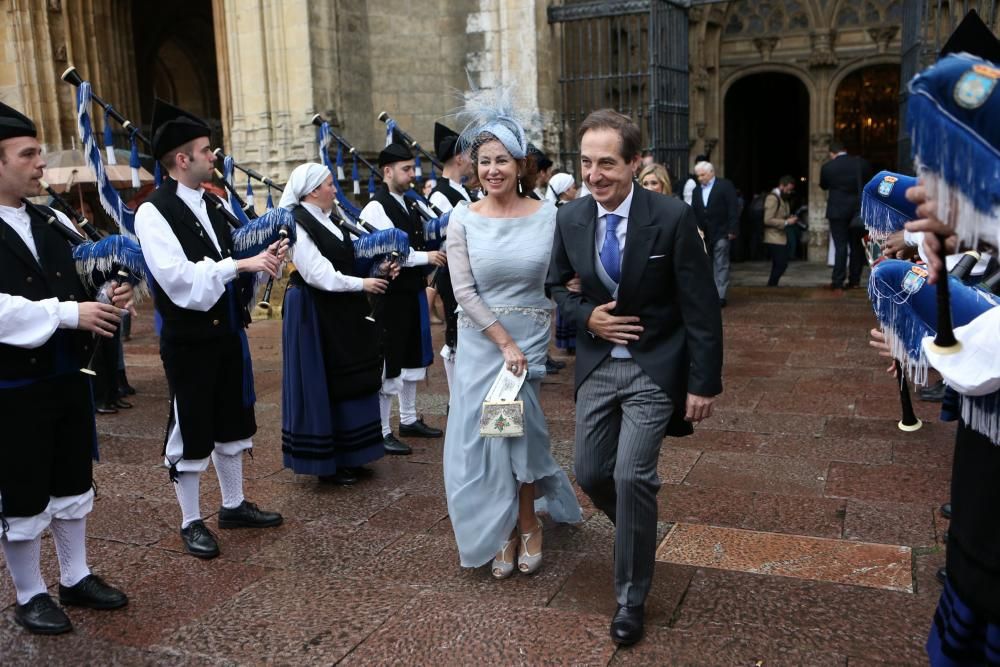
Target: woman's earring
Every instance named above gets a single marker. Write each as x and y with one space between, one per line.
520 191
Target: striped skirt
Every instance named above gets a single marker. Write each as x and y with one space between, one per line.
960 636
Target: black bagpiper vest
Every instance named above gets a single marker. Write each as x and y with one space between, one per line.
410 279
451 194
340 252
227 315
53 275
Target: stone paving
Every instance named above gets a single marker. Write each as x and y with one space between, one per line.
803 445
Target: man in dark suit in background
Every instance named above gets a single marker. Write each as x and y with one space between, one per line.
718 212
649 350
843 177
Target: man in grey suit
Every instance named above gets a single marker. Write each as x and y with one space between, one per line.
649 350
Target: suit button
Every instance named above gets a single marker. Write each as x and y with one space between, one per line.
32 361
30 279
58 275
215 323
72 297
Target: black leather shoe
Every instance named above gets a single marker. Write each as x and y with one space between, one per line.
551 368
93 593
555 362
360 471
126 388
946 510
122 404
248 515
419 429
934 393
626 626
107 409
941 575
199 540
343 477
42 616
394 446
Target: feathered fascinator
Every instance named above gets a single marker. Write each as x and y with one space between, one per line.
491 111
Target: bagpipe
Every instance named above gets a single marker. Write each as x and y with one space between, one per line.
325 136
250 236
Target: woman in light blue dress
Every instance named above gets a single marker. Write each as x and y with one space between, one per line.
498 255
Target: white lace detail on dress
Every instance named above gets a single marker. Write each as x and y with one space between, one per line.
542 318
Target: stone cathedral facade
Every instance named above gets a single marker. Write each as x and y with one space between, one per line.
771 82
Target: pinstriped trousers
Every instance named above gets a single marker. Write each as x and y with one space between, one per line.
621 418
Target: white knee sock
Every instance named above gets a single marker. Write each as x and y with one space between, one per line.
70 536
385 411
187 488
230 472
408 402
24 564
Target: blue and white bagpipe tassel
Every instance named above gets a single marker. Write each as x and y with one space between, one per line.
111 201
356 177
133 160
254 237
270 200
906 307
433 176
436 231
952 120
417 169
371 184
371 249
249 196
108 254
109 138
884 207
228 171
390 132
323 139
340 163
157 175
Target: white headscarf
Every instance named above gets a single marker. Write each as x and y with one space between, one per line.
304 179
558 184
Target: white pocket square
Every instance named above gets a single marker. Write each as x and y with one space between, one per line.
656 256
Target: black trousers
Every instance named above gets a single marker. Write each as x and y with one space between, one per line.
47 443
844 238
779 262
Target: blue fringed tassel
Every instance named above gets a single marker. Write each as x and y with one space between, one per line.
390 130
270 200
417 170
115 250
250 200
354 177
340 162
381 243
157 175
109 138
371 184
256 235
133 161
881 220
982 414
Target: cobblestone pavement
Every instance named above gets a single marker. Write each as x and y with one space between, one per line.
803 445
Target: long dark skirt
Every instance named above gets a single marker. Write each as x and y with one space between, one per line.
318 434
960 636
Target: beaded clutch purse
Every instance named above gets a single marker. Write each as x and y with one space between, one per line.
503 415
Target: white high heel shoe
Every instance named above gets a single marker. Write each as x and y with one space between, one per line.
527 562
503 568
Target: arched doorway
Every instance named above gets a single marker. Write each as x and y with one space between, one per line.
766 137
175 58
866 114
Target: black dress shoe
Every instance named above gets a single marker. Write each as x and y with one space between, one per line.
551 368
93 593
626 626
42 616
360 471
394 446
946 510
107 409
419 429
343 477
122 404
933 393
555 362
199 540
124 386
248 515
941 575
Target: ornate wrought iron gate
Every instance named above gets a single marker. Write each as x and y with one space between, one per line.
632 56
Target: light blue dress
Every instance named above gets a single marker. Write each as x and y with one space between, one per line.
498 268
